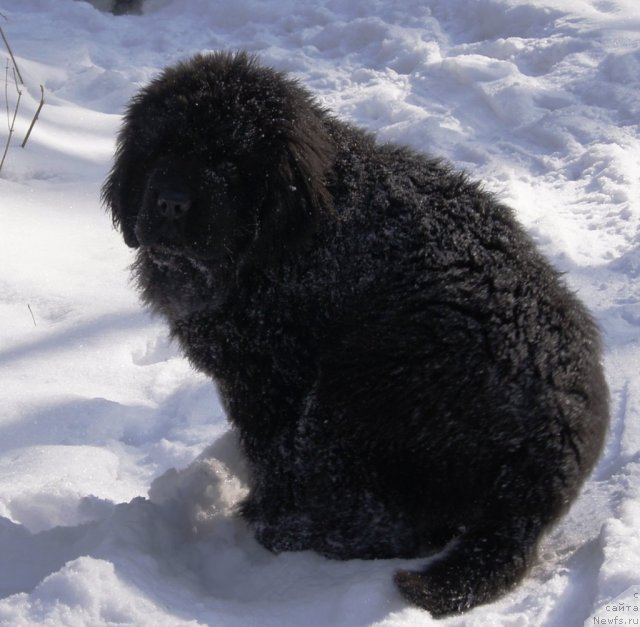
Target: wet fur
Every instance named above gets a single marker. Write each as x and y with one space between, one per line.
403 367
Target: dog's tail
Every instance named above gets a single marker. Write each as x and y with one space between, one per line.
478 568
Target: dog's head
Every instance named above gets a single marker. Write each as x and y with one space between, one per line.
218 156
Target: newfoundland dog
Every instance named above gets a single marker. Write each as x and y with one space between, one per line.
405 371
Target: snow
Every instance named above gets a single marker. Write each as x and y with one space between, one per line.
117 472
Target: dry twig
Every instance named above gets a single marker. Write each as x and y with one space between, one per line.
32 316
35 117
17 78
10 121
13 60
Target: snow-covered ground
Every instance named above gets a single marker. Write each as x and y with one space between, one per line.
539 98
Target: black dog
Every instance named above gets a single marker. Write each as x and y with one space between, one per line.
403 367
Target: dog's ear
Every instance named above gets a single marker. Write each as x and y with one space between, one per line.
295 197
119 194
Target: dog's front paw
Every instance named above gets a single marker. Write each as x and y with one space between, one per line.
289 533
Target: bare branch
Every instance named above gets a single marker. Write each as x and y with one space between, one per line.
35 117
32 316
13 120
13 60
6 93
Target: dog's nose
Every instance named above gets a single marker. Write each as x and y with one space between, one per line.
173 205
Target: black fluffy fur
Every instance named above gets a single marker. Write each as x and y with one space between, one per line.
404 368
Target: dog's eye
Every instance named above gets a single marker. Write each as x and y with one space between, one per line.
222 175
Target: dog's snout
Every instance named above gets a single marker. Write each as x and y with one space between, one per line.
173 205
